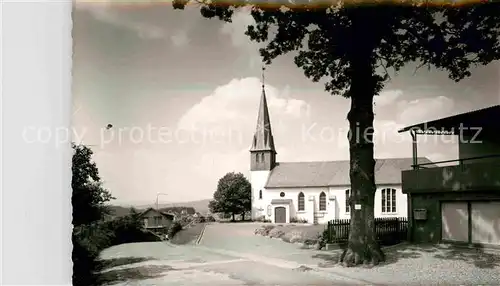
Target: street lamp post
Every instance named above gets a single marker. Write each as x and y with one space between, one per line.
157 195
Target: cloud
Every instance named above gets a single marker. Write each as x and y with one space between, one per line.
237 27
105 13
390 143
214 165
236 31
386 140
235 105
179 38
425 109
388 97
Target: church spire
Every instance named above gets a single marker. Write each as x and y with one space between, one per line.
263 139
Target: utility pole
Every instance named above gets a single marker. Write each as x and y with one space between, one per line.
157 195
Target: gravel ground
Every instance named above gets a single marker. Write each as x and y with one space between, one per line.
426 265
406 265
188 235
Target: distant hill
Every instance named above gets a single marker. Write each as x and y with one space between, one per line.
200 206
120 211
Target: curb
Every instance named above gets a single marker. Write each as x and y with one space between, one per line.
401 244
335 246
198 240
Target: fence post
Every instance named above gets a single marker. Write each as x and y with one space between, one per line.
398 230
329 231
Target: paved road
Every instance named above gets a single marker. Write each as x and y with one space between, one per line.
218 260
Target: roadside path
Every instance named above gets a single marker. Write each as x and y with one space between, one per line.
188 235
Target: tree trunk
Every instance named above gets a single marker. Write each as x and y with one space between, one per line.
362 245
243 216
233 219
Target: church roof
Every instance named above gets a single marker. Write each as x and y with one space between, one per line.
335 173
263 138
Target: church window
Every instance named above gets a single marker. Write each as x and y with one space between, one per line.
282 194
388 197
347 195
262 157
260 195
257 158
322 201
302 203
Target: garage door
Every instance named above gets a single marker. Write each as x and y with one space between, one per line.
455 221
485 220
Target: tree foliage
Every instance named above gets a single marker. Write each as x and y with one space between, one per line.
233 195
179 209
449 36
89 198
174 229
91 231
352 46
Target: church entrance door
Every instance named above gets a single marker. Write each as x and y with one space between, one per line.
280 215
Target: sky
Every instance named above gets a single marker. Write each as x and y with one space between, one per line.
182 93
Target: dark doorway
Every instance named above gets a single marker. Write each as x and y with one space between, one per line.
280 215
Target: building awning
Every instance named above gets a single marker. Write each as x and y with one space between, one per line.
485 118
281 202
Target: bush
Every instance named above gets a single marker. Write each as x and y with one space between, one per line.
323 239
298 220
264 230
292 236
90 240
184 220
174 229
128 230
262 219
276 233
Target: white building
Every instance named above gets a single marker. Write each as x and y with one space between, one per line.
314 191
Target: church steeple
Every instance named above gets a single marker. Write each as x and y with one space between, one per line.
263 151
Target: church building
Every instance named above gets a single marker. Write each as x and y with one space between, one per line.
314 192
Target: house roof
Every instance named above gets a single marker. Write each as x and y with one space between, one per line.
485 118
157 211
335 173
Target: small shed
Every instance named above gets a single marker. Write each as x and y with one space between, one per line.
156 220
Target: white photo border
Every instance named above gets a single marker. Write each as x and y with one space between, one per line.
35 213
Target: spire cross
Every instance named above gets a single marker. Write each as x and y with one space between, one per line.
263 78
